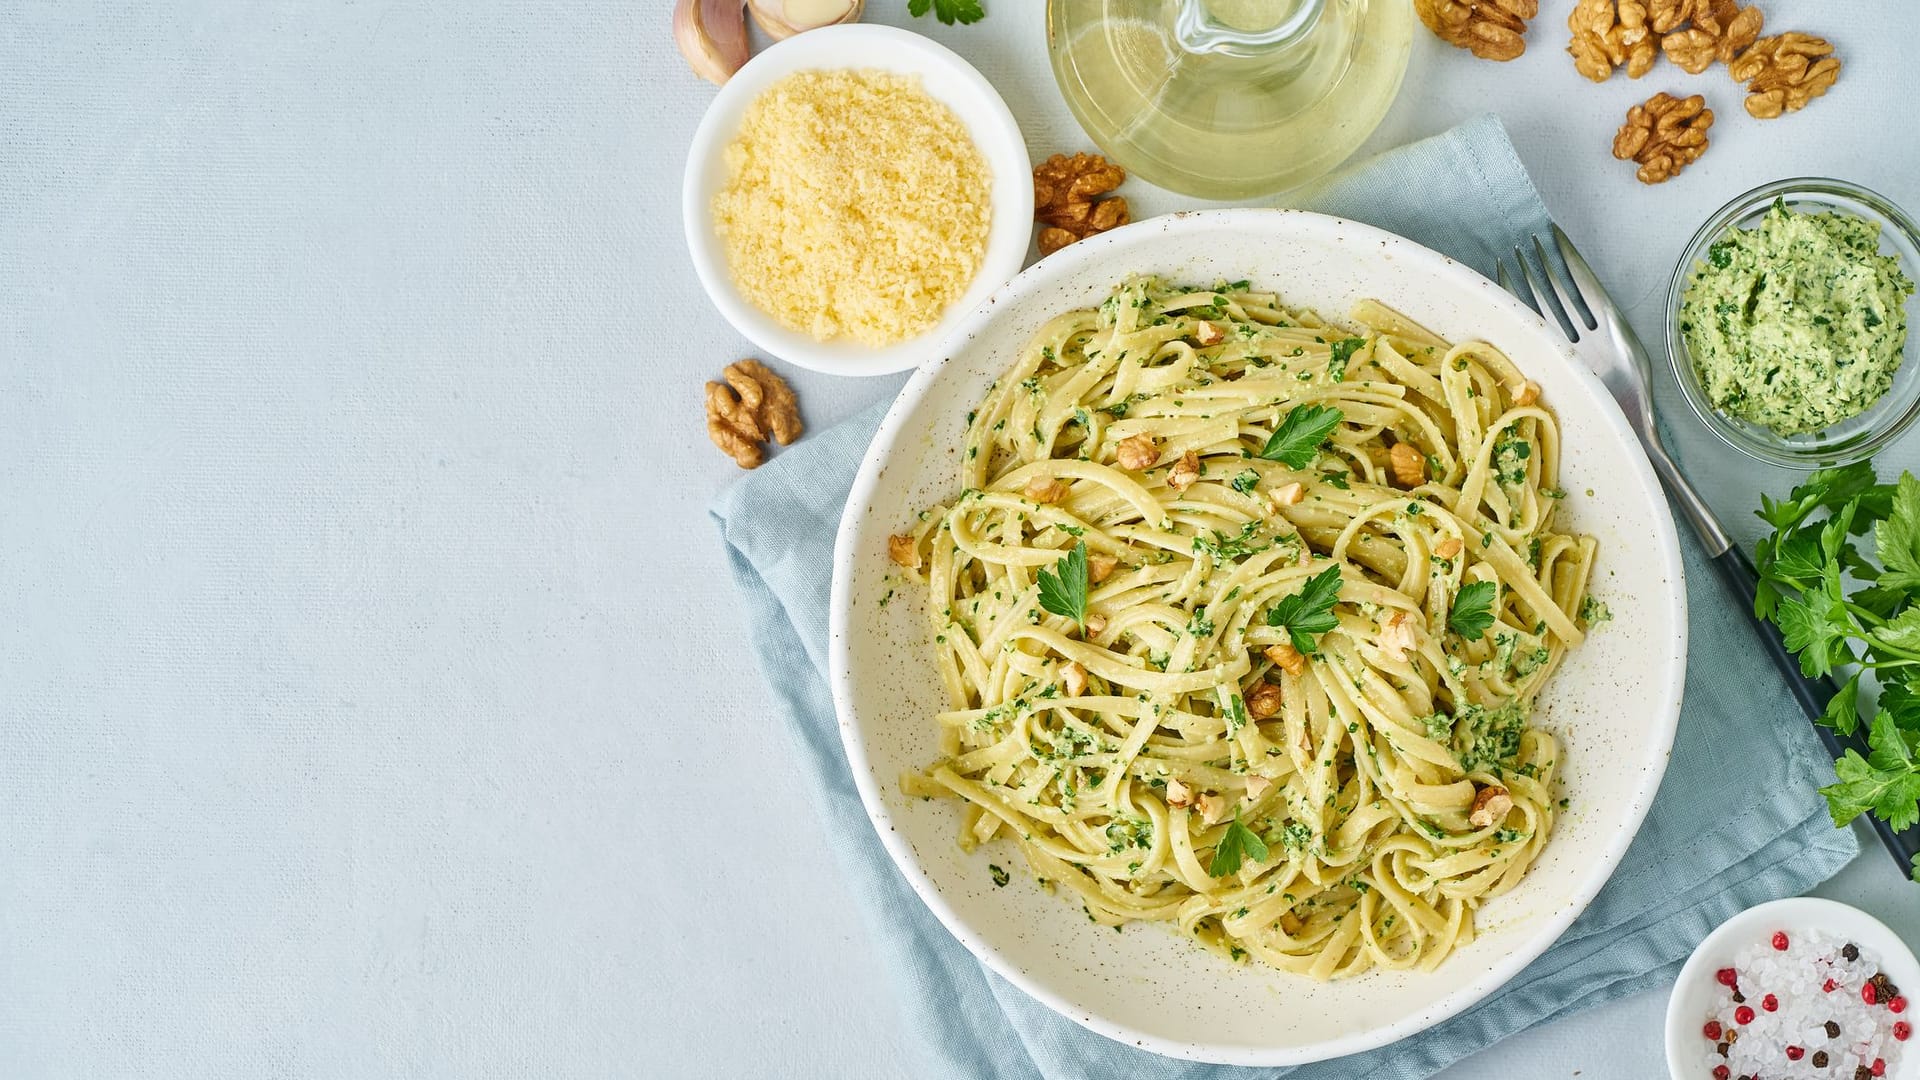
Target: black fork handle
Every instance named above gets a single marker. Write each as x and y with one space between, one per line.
1813 694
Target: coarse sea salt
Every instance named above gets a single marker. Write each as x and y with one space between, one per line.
1804 1012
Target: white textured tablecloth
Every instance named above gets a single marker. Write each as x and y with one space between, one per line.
372 701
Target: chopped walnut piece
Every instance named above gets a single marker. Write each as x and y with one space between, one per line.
1138 452
1665 135
1208 333
1073 678
1263 701
1095 624
1184 472
1100 567
1529 394
1066 199
1449 547
1178 794
1490 807
1785 72
1608 34
751 405
1214 808
1046 489
1288 494
1409 465
1257 786
1490 29
1286 658
902 549
1397 637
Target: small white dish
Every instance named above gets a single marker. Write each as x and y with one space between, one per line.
1613 703
1693 992
945 76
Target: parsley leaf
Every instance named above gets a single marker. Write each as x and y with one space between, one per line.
1300 434
1309 611
1343 351
1843 712
949 12
1246 481
1237 844
1898 537
1472 610
1886 781
1063 590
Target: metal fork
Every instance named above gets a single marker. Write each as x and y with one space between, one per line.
1548 274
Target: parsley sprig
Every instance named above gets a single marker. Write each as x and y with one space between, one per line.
1472 610
1298 437
949 12
1238 843
1063 590
1844 614
1309 612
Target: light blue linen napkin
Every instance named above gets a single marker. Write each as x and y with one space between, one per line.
1736 822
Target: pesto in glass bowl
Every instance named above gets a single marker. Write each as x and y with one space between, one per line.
1787 323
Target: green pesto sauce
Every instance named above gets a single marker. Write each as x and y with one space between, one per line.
1798 323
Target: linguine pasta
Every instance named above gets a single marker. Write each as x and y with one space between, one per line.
1292 715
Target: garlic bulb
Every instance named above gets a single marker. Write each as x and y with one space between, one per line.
785 18
712 35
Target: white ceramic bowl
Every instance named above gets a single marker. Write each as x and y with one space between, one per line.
1693 992
945 76
1614 702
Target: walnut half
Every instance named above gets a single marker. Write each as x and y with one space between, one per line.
1784 72
752 405
1719 30
1490 29
1067 203
1664 135
1608 34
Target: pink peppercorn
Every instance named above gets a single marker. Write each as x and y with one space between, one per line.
1898 1004
1743 1015
1903 1031
1712 1031
1721 1072
1780 940
1726 976
1795 1053
1879 1066
1868 995
1828 986
1770 1003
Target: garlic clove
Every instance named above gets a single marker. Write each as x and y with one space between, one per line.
782 19
712 35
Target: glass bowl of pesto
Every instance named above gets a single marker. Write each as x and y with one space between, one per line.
1787 323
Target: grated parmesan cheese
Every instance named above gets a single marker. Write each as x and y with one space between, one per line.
854 205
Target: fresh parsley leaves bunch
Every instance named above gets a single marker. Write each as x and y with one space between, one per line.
1844 614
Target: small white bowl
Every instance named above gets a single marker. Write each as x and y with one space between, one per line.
945 76
1692 997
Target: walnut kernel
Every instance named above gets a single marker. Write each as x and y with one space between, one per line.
1664 135
1185 472
1136 453
1490 807
1067 203
1490 29
1263 701
1100 567
1784 72
1286 658
1409 465
751 405
1608 34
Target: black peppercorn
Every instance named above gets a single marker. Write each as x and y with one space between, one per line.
1722 1048
1739 998
1850 951
1819 1059
1833 1030
1862 1072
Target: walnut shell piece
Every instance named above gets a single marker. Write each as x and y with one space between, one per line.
1784 72
1664 134
1490 29
1608 34
1067 203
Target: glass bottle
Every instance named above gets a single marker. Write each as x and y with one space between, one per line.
1229 99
